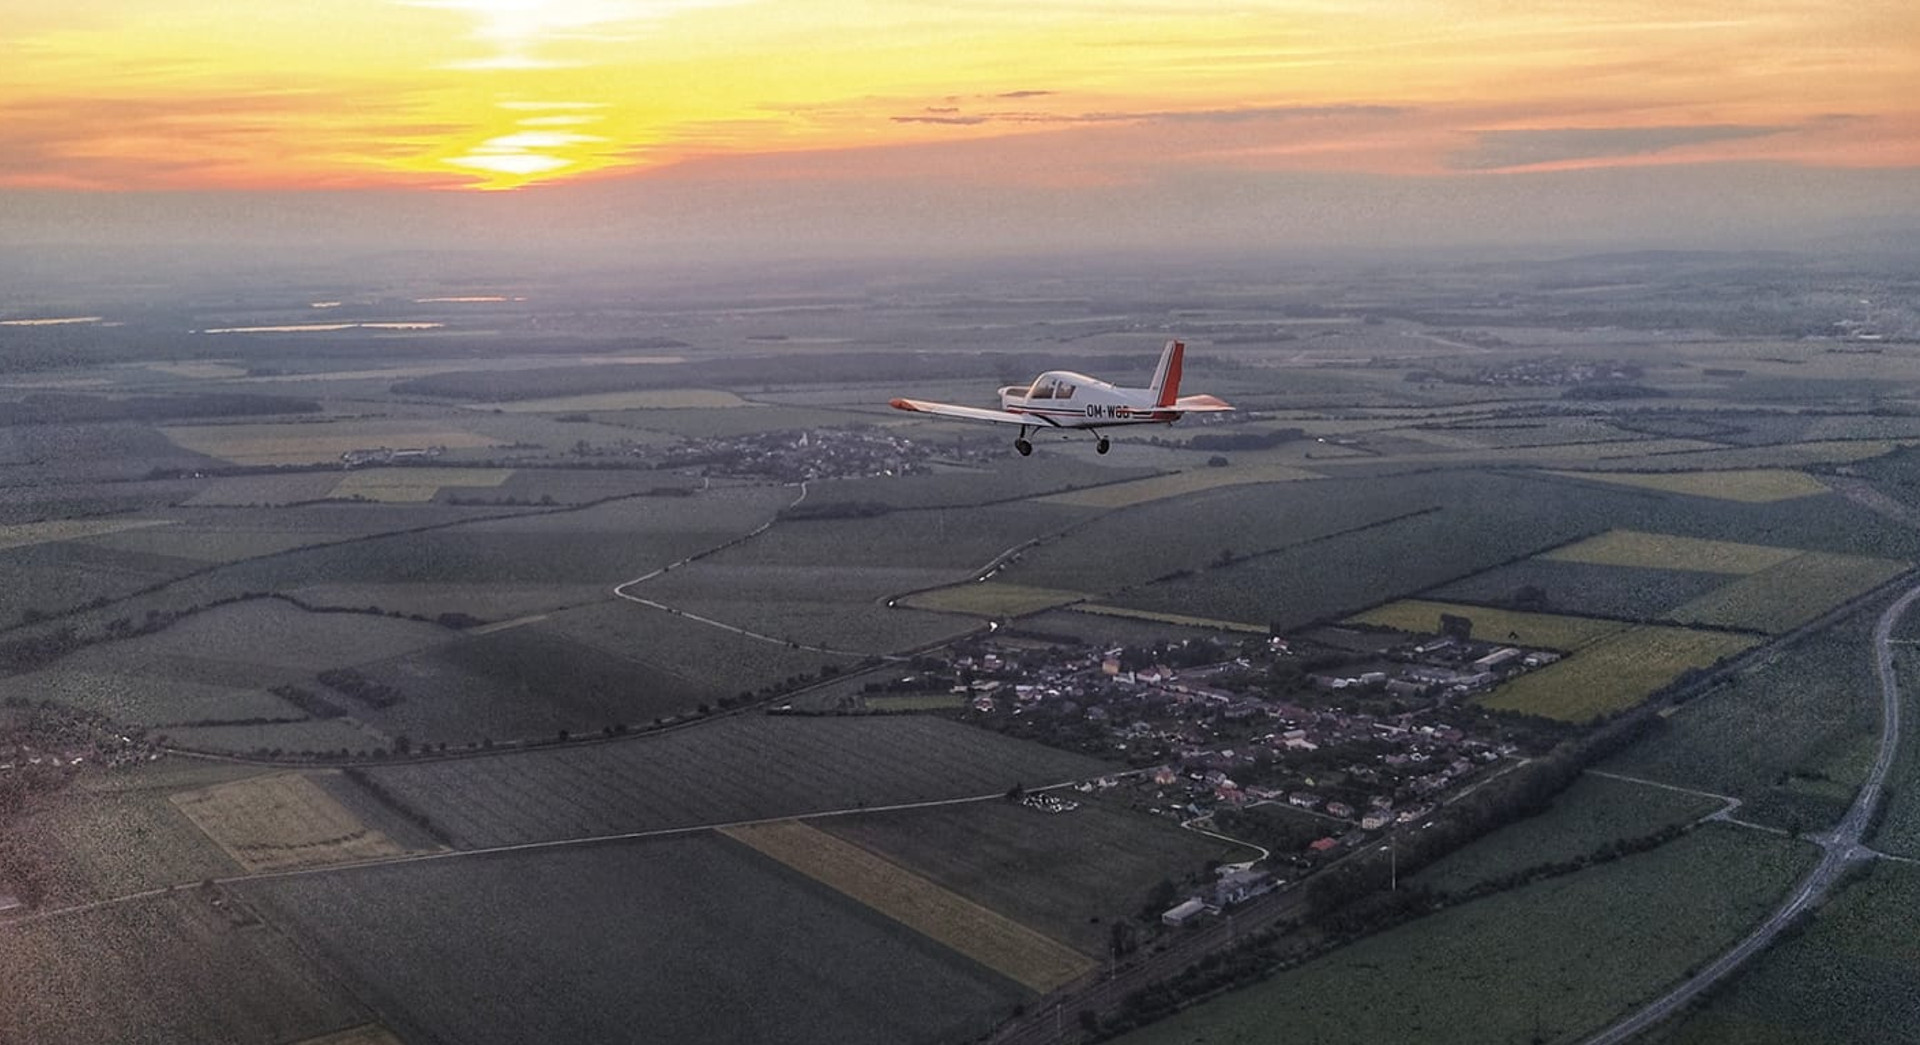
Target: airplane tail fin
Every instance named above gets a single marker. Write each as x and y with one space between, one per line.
1166 377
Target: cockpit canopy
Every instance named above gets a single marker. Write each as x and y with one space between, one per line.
1052 386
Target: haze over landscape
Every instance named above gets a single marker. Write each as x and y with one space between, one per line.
500 538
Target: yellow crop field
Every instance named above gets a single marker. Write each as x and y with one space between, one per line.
1172 618
1667 552
365 1034
1751 485
990 599
315 442
282 820
1615 673
988 937
414 485
645 399
1550 630
1160 487
19 535
1791 594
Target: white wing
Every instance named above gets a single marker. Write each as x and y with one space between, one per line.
968 413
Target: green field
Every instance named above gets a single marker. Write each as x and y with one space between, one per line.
1615 673
1069 875
1846 979
1594 812
1563 956
1759 486
1670 552
740 769
1628 592
1783 597
646 935
1791 736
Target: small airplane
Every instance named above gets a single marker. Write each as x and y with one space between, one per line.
1066 400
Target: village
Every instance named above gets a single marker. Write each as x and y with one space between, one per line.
1300 749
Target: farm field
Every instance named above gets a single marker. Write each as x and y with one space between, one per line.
1179 484
19 535
524 682
1783 597
1569 953
1594 812
414 485
1549 630
991 599
1783 455
1846 979
1007 947
1626 592
127 693
739 769
640 399
1181 620
928 702
1614 673
281 820
171 970
1754 486
1011 479
630 935
1158 539
1455 524
726 421
1669 552
1068 875
1790 736
366 1034
315 442
317 736
726 664
265 490
496 603
813 605
106 836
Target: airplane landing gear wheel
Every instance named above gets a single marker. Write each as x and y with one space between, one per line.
1102 447
1023 446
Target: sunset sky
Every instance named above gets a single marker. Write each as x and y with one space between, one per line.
800 110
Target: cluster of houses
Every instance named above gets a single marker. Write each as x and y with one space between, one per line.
1208 737
802 455
41 739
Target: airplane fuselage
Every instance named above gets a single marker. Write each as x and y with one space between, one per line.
1064 399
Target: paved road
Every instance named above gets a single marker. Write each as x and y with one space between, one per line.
1840 848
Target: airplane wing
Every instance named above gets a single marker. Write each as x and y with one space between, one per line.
970 413
1200 404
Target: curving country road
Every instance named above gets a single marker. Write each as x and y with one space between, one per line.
1841 848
